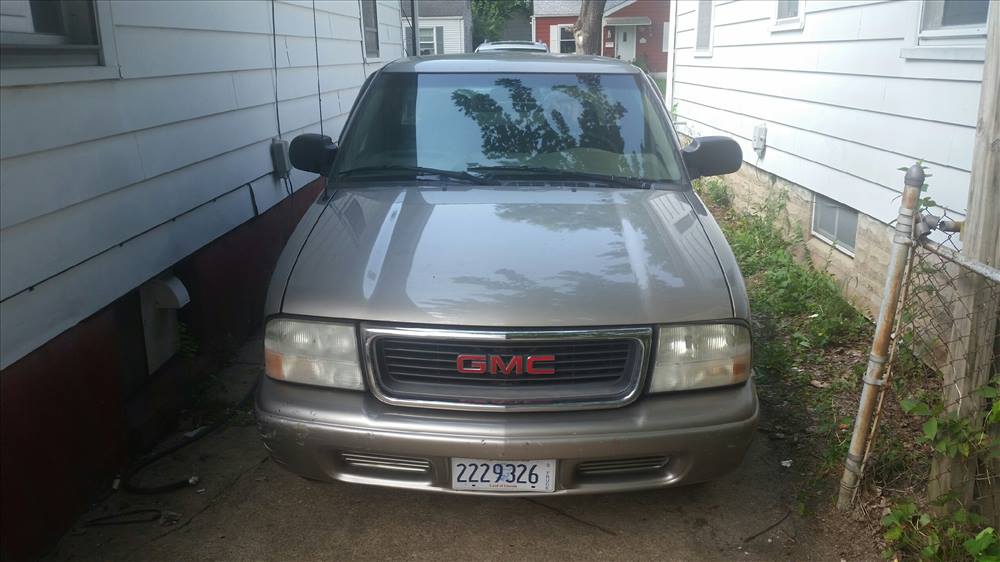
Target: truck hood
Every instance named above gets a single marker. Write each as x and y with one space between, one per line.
515 257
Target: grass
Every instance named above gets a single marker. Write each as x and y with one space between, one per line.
810 352
807 338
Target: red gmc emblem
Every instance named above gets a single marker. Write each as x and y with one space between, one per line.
518 364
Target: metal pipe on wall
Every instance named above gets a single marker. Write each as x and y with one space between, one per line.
902 242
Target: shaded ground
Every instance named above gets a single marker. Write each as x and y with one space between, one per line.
245 507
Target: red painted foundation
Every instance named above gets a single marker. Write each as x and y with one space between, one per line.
74 410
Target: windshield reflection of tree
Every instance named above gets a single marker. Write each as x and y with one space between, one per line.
529 132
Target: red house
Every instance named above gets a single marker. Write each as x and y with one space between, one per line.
634 30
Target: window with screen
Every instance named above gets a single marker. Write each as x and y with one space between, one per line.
369 20
703 31
835 223
42 33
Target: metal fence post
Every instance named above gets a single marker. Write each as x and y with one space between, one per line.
902 242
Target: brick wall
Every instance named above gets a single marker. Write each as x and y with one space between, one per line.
862 276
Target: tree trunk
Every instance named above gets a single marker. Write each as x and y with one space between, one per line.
588 29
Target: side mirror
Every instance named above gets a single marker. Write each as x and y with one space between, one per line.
312 153
712 156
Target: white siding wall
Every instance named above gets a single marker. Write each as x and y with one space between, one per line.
454 33
843 108
106 183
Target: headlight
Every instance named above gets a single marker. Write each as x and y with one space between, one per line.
309 352
700 356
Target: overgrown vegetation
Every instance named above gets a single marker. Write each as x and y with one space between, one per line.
810 347
806 335
959 535
490 16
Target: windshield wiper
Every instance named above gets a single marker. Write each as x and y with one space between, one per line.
418 170
621 181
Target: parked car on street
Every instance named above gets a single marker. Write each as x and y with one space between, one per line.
508 286
529 46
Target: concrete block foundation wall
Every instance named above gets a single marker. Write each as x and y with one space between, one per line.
861 276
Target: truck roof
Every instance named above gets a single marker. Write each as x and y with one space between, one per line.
513 62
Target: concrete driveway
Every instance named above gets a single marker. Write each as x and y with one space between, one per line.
247 508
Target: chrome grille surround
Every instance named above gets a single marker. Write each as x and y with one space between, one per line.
620 466
639 338
386 462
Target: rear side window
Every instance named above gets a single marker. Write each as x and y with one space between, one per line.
600 123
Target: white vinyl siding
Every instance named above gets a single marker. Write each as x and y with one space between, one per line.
843 109
107 183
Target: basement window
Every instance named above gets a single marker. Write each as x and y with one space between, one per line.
48 33
835 223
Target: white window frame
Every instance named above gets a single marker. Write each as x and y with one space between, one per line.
953 32
420 42
437 49
108 69
561 27
378 34
838 245
955 44
706 52
795 23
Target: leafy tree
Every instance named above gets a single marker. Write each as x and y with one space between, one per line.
489 17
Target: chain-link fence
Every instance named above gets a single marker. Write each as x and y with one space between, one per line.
945 357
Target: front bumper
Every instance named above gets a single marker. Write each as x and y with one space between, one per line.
318 433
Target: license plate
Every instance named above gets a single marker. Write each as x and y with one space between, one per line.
503 476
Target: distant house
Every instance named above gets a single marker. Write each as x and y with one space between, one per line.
634 30
839 96
139 205
445 27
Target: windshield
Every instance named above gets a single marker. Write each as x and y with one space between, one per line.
602 124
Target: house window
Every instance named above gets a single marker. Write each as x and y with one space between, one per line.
431 40
40 33
954 17
788 9
703 31
835 223
789 15
567 42
369 20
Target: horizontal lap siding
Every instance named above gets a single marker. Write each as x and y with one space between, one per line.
107 183
842 108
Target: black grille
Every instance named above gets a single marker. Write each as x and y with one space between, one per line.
584 370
